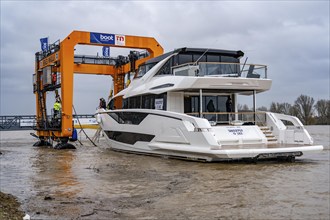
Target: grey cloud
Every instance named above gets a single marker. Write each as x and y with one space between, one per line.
292 37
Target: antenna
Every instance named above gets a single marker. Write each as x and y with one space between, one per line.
204 53
244 64
201 56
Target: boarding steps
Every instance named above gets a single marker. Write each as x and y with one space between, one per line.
271 139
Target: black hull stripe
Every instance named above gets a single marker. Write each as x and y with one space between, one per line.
128 137
166 116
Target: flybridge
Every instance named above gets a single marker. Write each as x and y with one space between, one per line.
206 62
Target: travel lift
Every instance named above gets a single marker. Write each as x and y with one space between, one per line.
55 67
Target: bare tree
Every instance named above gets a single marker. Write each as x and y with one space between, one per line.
303 107
275 107
323 111
242 108
284 108
262 108
287 108
245 108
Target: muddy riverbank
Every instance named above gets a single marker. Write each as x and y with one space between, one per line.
10 208
97 183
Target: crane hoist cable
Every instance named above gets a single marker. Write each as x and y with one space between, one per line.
82 127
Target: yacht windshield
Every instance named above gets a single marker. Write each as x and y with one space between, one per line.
143 69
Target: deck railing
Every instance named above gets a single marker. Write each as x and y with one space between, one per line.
83 59
233 118
223 69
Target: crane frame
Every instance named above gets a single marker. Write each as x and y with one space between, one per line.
61 60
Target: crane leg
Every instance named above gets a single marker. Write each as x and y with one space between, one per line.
63 144
42 141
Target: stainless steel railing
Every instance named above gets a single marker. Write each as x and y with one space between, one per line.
233 118
223 69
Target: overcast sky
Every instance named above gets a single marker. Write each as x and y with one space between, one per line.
291 37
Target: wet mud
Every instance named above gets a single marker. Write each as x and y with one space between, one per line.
10 208
97 183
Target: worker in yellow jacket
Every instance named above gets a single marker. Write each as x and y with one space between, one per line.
57 108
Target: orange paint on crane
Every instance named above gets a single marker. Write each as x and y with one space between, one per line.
63 60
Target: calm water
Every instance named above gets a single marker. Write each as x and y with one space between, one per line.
96 183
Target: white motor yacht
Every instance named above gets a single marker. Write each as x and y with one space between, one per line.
183 104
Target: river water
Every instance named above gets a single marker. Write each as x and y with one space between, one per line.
97 183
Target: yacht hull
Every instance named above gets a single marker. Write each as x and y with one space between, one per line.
175 135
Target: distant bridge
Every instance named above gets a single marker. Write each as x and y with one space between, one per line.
28 122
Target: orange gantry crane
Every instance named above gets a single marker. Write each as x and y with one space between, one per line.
54 70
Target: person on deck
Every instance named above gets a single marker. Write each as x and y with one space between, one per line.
102 104
210 106
229 108
229 105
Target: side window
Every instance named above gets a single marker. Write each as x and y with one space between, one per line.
143 69
134 102
199 58
175 60
125 103
213 58
148 102
165 70
154 102
185 58
230 68
134 118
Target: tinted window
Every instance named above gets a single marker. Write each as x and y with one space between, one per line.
192 104
165 70
134 102
199 57
148 102
143 69
134 118
229 59
212 58
185 58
